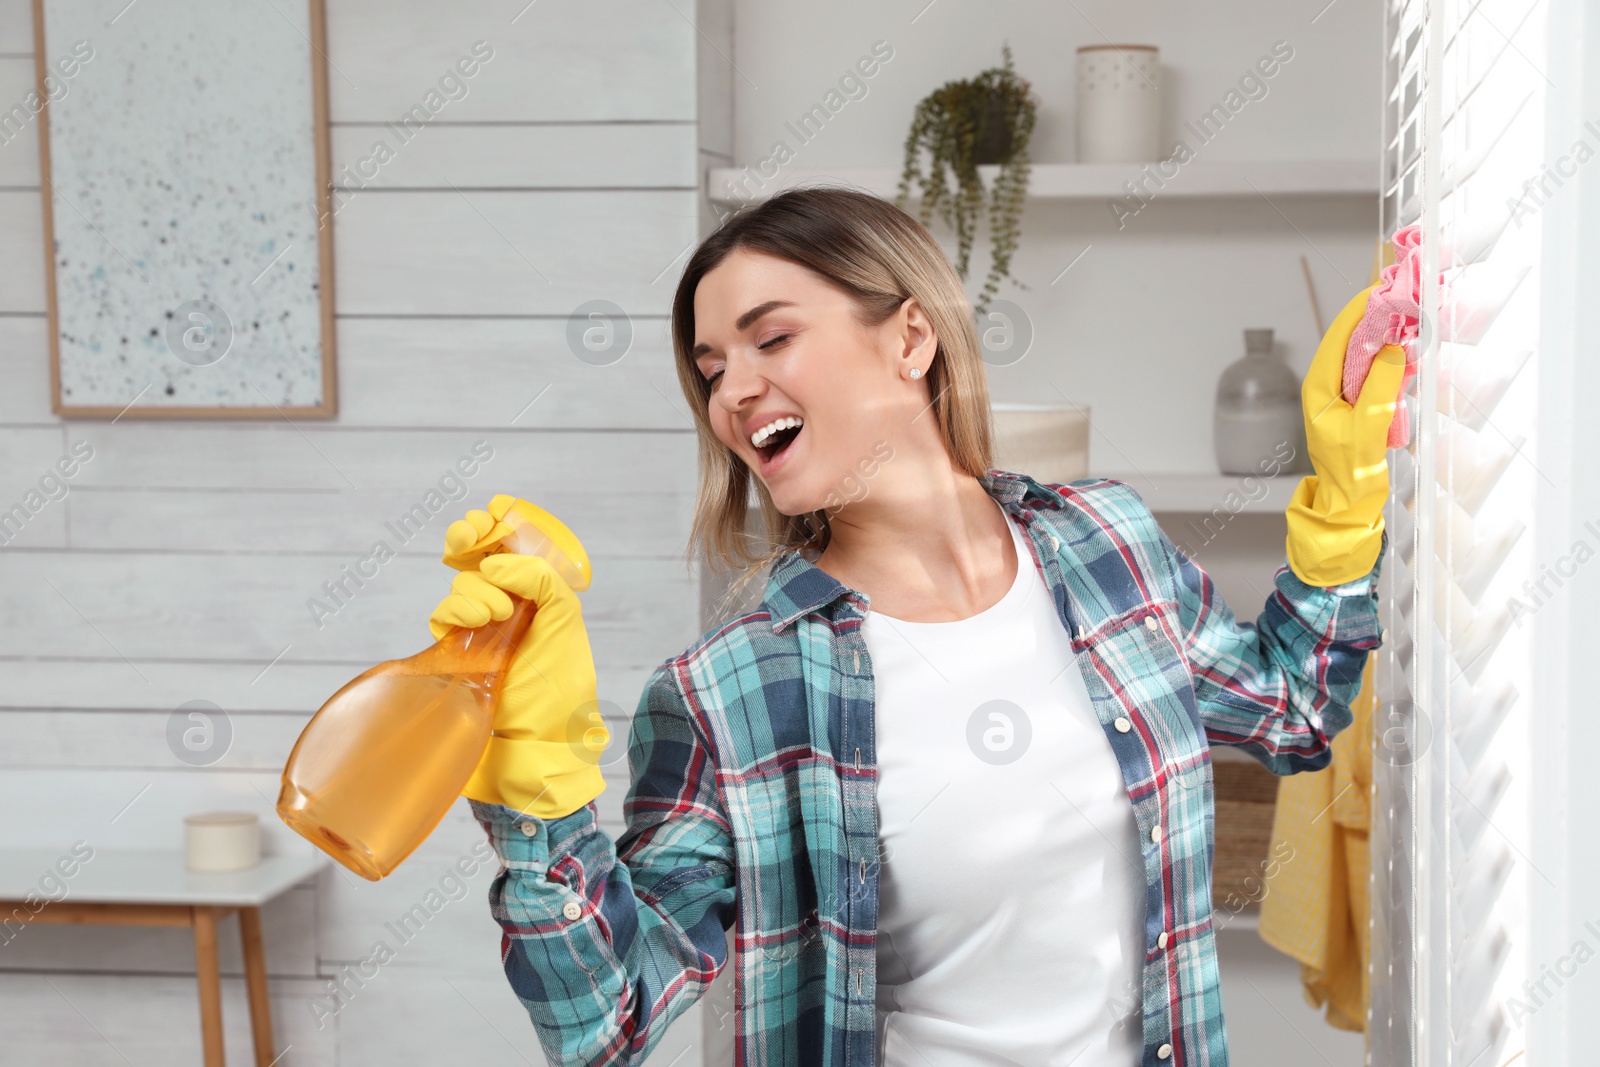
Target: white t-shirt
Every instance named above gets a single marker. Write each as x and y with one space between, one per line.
1011 884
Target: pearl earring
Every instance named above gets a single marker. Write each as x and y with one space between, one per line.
916 372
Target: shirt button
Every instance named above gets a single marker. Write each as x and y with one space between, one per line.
1055 543
572 909
1163 1052
1150 623
1161 942
1122 724
528 827
1155 834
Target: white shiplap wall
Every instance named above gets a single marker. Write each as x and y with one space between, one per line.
179 566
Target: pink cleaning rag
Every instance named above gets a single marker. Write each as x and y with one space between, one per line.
1392 317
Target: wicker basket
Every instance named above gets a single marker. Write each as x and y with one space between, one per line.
1246 799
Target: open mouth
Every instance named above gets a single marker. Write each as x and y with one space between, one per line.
778 443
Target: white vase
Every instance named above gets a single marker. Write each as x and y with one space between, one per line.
1119 103
1258 426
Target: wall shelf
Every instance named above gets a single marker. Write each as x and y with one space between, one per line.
1089 181
1191 492
1247 919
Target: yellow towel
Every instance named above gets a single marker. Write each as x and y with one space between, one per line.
1315 905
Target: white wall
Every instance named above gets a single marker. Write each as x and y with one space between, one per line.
183 558
1562 873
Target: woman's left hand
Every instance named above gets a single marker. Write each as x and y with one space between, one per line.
1336 515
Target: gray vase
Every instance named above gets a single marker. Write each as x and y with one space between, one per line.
1259 425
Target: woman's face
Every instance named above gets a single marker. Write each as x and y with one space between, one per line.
777 340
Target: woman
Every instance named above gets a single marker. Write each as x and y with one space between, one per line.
936 841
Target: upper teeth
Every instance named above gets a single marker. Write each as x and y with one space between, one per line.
759 438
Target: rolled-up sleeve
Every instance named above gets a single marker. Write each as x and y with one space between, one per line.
606 942
1280 687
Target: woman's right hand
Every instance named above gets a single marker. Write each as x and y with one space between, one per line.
544 756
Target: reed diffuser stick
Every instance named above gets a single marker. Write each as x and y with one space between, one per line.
1316 309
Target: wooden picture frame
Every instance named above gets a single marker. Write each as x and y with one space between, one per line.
157 336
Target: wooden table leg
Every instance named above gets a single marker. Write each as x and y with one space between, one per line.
209 977
255 973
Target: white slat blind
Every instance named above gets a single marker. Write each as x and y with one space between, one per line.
1463 135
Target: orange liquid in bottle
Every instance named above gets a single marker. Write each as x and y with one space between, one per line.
384 759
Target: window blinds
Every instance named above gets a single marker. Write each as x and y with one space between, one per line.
1464 156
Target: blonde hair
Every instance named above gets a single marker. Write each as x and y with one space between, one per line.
879 256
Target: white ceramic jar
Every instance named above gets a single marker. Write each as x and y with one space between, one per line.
1119 103
222 840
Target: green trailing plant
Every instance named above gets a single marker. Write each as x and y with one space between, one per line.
963 125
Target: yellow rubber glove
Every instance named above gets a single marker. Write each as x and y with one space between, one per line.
1336 515
544 756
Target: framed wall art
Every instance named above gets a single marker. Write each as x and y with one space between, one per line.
185 174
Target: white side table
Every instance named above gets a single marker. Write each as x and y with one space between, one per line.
153 888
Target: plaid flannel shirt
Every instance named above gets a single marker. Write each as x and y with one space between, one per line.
752 805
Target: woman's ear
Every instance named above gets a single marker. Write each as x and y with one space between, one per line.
918 339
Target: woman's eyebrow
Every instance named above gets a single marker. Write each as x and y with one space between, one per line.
744 322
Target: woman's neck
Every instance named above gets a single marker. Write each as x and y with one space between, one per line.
927 546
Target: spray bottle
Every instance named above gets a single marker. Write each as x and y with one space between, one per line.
383 760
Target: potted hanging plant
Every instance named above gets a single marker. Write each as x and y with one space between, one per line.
963 125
